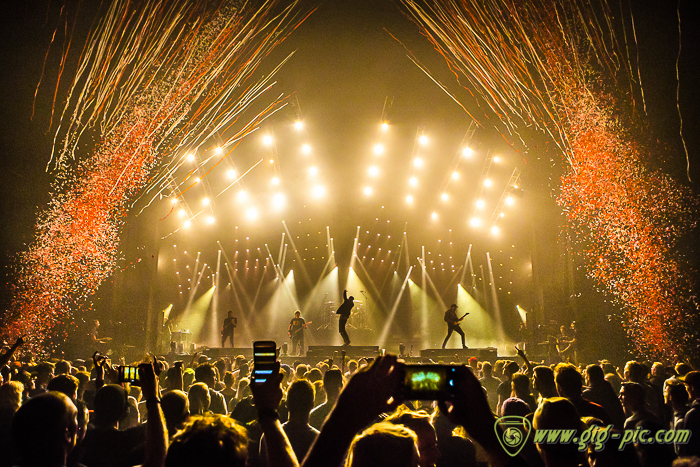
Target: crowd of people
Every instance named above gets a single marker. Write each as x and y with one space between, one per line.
171 413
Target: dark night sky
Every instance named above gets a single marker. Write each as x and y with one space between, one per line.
344 66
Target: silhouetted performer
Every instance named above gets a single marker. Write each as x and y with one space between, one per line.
453 325
227 329
344 311
296 333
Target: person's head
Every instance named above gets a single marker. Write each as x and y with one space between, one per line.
420 424
297 314
635 372
62 367
509 369
176 410
520 384
300 398
314 374
11 396
229 379
44 429
351 298
352 366
543 380
230 314
205 373
487 369
594 375
332 383
658 370
211 440
682 369
301 371
199 398
65 384
383 445
111 406
557 413
44 373
569 381
632 397
692 384
515 406
453 307
675 394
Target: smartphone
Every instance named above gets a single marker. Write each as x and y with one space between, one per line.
129 374
264 359
429 382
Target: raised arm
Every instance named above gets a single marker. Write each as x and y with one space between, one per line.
156 433
530 368
345 294
4 358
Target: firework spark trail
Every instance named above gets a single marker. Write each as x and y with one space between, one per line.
544 63
154 77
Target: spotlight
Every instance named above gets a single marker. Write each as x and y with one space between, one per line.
242 195
173 201
210 220
206 201
385 126
510 201
197 180
467 152
275 180
182 213
423 140
496 159
480 203
374 171
267 140
409 199
190 157
494 230
418 162
219 150
488 182
298 124
413 181
251 214
313 171
378 149
278 201
319 191
434 215
306 149
444 197
368 190
272 161
187 224
502 214
231 174
475 222
455 175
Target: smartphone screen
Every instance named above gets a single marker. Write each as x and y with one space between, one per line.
429 382
264 359
128 374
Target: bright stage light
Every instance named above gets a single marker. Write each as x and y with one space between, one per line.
210 220
298 124
475 222
444 197
219 150
206 201
434 215
510 201
488 182
494 230
423 140
251 214
374 171
501 214
197 180
267 140
313 171
319 191
496 159
409 199
385 126
368 190
190 157
455 175
242 195
182 213
272 161
413 181
306 149
480 203
275 180
418 162
187 224
278 201
231 174
173 201
379 149
467 152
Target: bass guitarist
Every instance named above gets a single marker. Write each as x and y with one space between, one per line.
453 325
227 329
296 333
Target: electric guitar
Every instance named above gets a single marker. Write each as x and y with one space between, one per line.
228 328
460 319
295 333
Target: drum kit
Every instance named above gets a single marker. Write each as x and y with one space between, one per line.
357 320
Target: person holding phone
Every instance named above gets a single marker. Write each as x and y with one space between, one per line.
344 311
453 325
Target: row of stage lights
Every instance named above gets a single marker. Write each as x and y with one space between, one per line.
318 191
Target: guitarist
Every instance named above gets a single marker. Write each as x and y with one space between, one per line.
296 333
227 328
453 325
